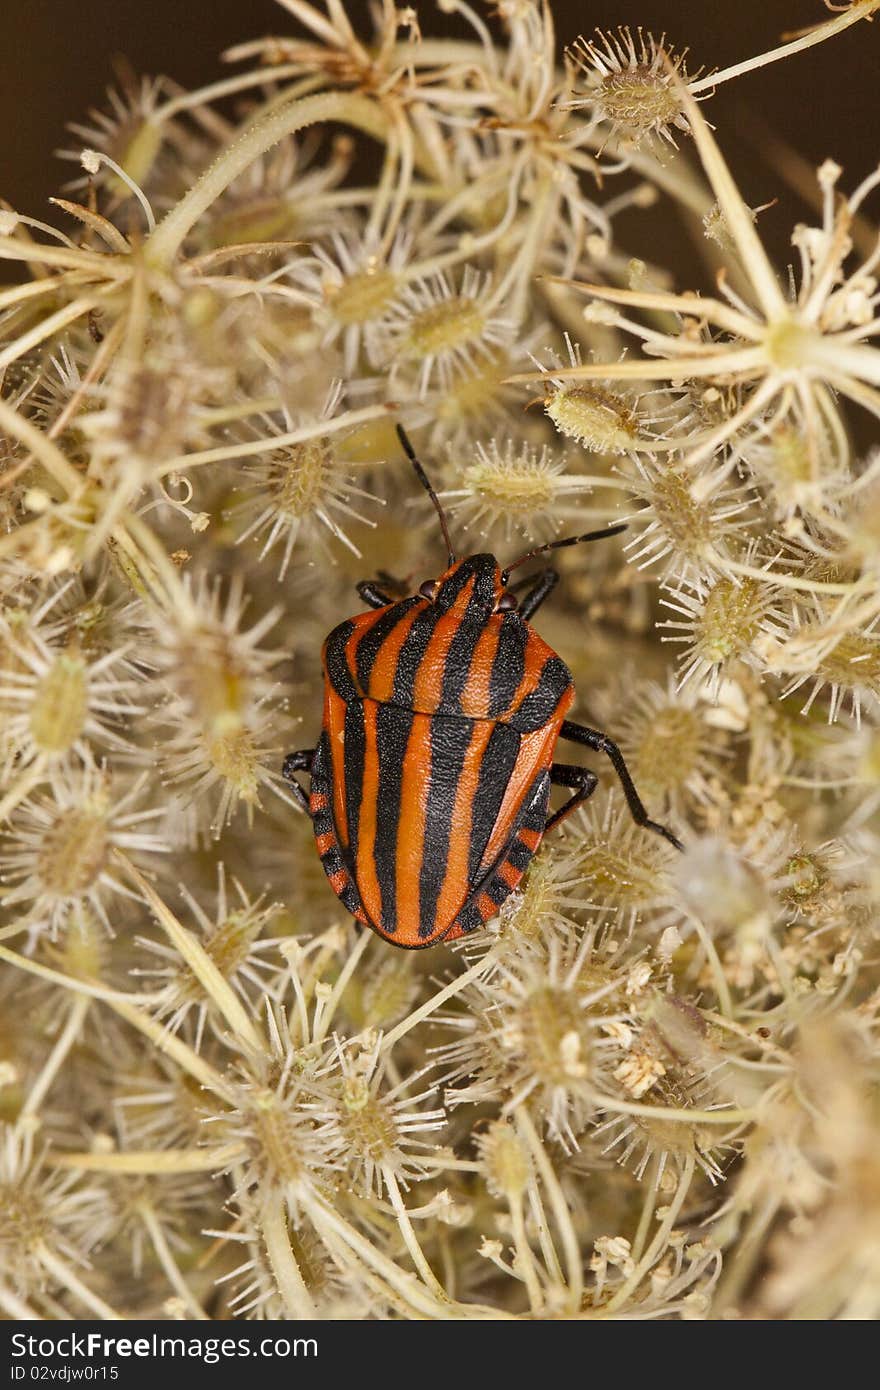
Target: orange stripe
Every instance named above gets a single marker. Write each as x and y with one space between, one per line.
318 801
415 777
325 842
485 906
432 667
362 624
510 874
537 654
381 680
367 881
531 839
334 724
535 752
455 883
475 696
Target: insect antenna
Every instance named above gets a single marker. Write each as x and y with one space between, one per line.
426 484
557 545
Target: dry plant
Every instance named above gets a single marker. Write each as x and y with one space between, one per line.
647 1090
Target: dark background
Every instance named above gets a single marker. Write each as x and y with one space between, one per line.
57 57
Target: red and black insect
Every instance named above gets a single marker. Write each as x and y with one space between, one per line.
431 781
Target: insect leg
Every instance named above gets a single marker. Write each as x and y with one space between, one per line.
593 738
294 763
540 590
581 779
372 594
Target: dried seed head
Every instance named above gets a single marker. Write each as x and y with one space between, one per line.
60 705
600 419
799 466
367 1123
624 873
631 84
277 1139
152 410
847 663
535 1030
362 297
514 490
74 851
303 491
57 848
441 328
475 395
129 133
722 624
682 523
42 1210
667 744
444 327
373 1128
506 1161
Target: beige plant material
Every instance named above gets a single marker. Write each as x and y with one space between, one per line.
653 1078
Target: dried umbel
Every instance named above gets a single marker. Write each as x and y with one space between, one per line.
647 1088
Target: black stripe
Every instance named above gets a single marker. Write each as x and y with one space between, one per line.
370 643
509 664
353 773
333 861
540 705
411 653
480 568
495 769
497 889
533 815
349 894
393 728
450 740
520 856
349 898
337 666
469 918
460 654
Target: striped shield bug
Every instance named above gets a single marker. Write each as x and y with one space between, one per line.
430 784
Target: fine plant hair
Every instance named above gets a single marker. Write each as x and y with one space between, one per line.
648 1089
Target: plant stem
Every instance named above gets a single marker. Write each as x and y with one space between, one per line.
348 108
70 1281
288 1276
169 1264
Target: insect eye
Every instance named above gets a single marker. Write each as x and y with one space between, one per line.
429 589
507 603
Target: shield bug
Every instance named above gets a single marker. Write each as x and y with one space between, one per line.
430 783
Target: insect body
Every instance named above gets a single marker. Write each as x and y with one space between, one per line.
431 781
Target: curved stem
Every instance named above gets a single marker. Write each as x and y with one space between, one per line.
525 1262
573 1258
338 990
348 108
297 1300
150 1162
658 1244
70 1281
213 981
169 1265
410 1239
435 1001
862 9
37 1094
